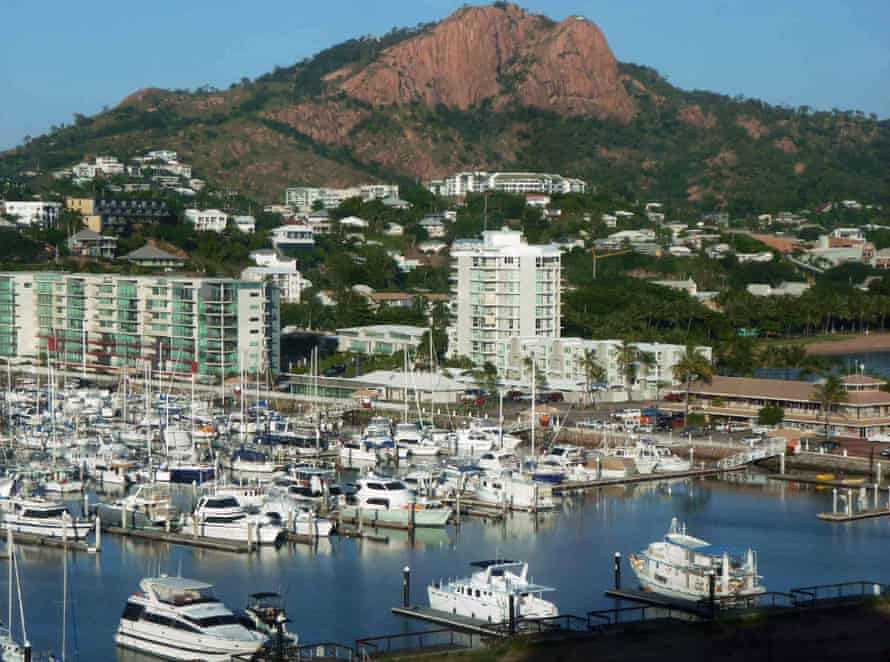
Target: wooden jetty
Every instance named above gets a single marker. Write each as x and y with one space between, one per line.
454 621
572 486
55 543
655 600
844 517
181 539
807 480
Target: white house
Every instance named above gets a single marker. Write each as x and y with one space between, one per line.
207 220
394 230
433 226
31 212
293 237
247 224
353 222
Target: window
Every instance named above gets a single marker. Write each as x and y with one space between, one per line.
132 612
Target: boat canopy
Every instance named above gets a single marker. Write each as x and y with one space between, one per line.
685 541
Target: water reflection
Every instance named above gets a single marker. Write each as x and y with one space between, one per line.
343 588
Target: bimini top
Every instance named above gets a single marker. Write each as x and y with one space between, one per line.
686 541
494 562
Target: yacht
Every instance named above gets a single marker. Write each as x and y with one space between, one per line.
151 505
255 464
472 441
498 461
679 567
185 473
512 490
389 501
296 519
180 619
40 517
643 457
267 616
358 451
485 595
224 518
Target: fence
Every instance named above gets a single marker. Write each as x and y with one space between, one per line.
417 642
811 595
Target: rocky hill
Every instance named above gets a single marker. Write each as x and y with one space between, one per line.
490 87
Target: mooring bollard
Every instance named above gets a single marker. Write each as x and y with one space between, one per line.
406 587
617 571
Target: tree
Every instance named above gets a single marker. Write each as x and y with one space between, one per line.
593 371
692 366
770 415
628 357
829 393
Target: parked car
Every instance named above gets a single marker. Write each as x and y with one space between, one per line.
752 439
721 427
591 424
830 446
739 426
885 451
674 397
646 428
550 397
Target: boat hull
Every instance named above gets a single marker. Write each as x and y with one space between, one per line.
169 649
399 516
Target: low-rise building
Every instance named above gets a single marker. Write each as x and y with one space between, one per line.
380 338
864 413
293 237
207 220
32 212
785 288
87 243
152 257
246 224
305 198
461 184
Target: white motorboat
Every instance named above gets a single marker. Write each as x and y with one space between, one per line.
498 461
512 490
224 518
388 500
680 566
267 616
296 519
472 441
180 619
151 505
643 457
362 451
485 595
40 517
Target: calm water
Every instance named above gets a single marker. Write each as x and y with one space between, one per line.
344 589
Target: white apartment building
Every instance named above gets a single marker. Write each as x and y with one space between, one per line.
463 183
502 287
32 212
303 198
109 165
176 324
561 360
161 155
207 220
280 272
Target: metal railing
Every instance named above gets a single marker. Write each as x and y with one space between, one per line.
327 650
602 619
428 640
811 595
768 600
561 623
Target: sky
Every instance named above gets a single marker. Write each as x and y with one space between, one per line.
59 57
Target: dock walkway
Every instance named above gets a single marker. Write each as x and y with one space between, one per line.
181 539
571 486
450 620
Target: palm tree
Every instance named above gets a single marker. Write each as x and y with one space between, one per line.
829 393
627 358
593 371
692 366
648 361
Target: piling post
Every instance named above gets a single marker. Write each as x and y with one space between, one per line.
511 605
361 520
86 504
617 571
692 456
290 521
27 655
876 496
782 463
98 534
834 500
124 518
599 468
406 587
457 502
250 537
195 528
712 588
878 473
849 501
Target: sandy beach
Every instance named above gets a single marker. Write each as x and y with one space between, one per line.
873 342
